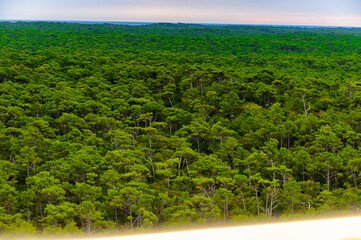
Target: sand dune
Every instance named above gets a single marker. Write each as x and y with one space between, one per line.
333 229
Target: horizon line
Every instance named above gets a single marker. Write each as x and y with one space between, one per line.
170 22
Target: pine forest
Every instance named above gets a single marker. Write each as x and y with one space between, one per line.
114 127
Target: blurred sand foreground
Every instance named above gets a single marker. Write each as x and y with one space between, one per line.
333 229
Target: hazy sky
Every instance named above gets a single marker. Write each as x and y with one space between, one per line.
287 12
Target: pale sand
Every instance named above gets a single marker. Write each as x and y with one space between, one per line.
333 229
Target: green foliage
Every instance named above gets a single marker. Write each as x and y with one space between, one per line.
107 127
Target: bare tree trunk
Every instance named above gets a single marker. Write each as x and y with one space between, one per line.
256 190
244 204
131 215
328 180
179 166
305 109
116 216
224 212
170 101
88 225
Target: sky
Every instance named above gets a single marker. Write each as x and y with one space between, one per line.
275 12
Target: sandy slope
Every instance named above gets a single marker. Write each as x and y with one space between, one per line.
333 229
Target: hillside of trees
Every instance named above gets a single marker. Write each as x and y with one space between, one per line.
107 127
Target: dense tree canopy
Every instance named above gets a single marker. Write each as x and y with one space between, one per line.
109 126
